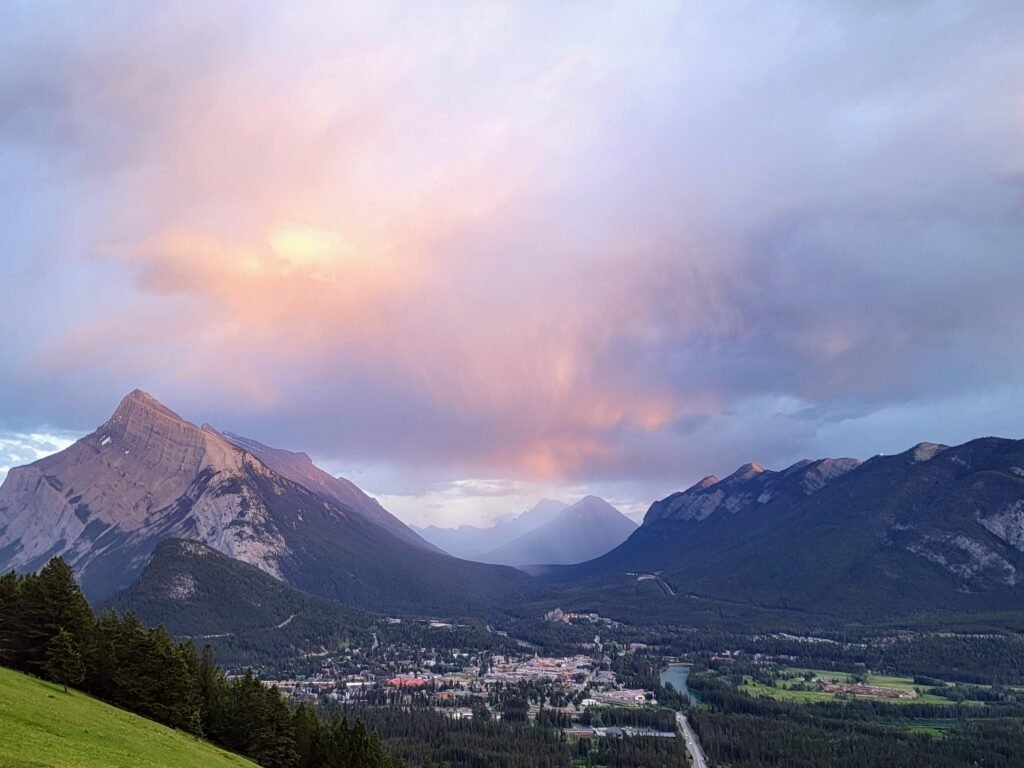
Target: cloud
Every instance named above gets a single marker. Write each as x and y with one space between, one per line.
17 449
605 245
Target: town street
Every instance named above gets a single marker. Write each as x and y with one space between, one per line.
699 761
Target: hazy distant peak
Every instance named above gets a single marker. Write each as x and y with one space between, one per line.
582 531
589 508
546 501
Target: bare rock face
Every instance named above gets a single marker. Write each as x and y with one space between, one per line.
127 483
1007 524
750 486
147 475
300 468
927 451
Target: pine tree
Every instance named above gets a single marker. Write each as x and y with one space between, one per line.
210 686
9 587
187 652
305 725
64 663
102 664
47 603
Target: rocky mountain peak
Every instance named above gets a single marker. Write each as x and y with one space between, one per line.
746 472
749 487
589 508
927 451
704 484
140 407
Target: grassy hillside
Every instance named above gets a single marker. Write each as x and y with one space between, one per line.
41 726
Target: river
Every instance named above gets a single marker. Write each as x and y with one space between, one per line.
677 674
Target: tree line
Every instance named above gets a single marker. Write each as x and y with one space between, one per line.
48 629
744 731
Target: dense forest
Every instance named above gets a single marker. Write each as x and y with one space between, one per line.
742 731
423 737
986 658
48 629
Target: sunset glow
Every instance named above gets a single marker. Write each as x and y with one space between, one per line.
573 246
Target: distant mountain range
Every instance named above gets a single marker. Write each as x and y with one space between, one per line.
182 517
146 475
552 532
471 542
935 528
587 529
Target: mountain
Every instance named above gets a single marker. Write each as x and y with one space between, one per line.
248 615
301 469
750 486
586 530
472 543
935 528
147 475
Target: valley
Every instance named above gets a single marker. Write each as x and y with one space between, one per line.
505 384
765 596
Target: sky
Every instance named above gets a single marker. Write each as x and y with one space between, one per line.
471 254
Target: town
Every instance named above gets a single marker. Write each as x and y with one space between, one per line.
565 687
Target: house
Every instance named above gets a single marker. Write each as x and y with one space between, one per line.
579 731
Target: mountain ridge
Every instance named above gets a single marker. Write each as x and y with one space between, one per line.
834 536
146 475
299 467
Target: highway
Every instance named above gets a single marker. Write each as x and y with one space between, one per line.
699 761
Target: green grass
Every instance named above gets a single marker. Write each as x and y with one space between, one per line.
783 688
934 731
41 726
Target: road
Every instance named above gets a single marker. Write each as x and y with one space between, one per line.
699 761
667 589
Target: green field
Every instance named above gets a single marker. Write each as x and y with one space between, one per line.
40 725
782 689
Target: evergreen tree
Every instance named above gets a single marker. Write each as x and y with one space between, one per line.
210 684
64 663
102 662
47 603
47 627
9 587
187 652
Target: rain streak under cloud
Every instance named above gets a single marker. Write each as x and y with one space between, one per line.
566 247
